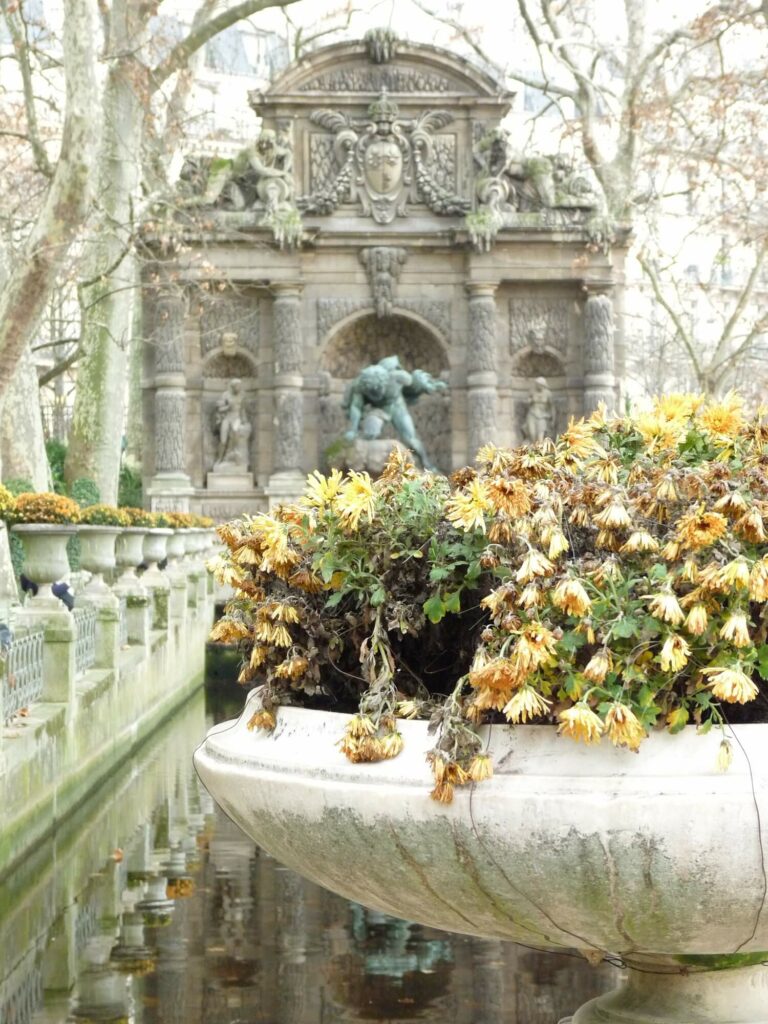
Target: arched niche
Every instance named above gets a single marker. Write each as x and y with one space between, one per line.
220 366
363 339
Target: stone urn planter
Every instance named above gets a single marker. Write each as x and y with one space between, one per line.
129 551
654 857
176 546
156 546
97 552
45 551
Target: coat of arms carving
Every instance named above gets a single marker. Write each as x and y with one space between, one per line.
383 162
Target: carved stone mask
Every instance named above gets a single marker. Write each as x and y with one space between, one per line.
229 343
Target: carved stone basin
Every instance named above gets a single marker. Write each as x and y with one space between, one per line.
656 857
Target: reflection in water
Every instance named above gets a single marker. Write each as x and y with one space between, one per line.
150 907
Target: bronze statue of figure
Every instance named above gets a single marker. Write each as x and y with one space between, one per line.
381 393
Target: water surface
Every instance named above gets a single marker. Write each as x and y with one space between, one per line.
151 907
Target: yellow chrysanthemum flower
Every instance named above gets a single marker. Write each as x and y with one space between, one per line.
640 540
697 620
623 727
730 684
723 419
466 510
736 630
758 580
354 500
613 517
674 653
581 723
534 564
571 597
321 490
666 607
525 705
699 528
480 768
598 666
724 756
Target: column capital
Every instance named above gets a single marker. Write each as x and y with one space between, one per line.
286 289
478 289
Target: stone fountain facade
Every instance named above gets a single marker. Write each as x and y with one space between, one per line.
382 210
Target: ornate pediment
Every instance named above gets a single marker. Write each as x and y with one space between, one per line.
382 62
384 161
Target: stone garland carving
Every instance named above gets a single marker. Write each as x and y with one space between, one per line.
538 323
598 331
170 415
238 315
444 163
168 334
393 79
322 165
386 161
287 441
435 311
481 353
286 313
383 264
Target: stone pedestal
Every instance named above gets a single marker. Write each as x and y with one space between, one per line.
229 478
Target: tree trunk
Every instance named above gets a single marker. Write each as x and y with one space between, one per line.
46 251
22 443
98 420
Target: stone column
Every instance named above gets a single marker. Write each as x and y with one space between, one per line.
482 379
599 376
170 487
287 480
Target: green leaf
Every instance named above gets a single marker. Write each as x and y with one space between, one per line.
434 608
762 661
658 571
572 641
440 572
704 728
625 628
377 597
334 599
452 601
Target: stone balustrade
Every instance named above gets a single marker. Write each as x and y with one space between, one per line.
80 689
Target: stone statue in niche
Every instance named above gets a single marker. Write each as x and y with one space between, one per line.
539 420
381 393
232 428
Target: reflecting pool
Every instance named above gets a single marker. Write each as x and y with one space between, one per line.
151 907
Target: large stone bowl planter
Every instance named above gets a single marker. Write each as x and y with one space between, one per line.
655 857
176 546
45 551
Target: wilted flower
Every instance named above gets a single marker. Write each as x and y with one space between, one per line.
581 723
730 684
534 564
724 756
598 666
736 630
665 606
674 654
623 727
696 621
525 705
467 508
571 597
